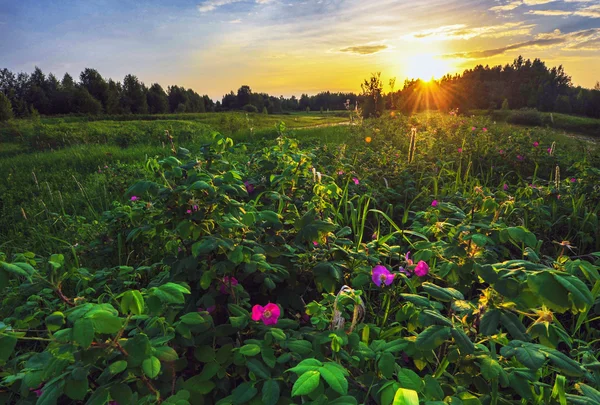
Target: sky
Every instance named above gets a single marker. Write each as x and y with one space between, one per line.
286 47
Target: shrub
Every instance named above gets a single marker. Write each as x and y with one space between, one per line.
525 116
6 111
250 108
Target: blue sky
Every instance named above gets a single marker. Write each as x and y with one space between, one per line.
288 47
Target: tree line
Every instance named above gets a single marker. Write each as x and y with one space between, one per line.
37 93
522 84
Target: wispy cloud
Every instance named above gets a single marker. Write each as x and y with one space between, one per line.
583 40
462 31
550 12
364 49
210 5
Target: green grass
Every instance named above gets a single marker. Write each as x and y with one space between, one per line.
565 122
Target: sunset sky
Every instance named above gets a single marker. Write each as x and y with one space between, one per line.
290 47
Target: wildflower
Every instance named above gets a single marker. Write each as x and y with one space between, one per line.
374 236
356 181
422 269
434 203
405 272
408 259
460 150
484 129
549 150
380 275
536 144
368 139
249 187
501 151
227 283
573 180
315 243
505 187
558 197
520 158
267 314
210 309
340 172
134 198
473 128
38 391
188 212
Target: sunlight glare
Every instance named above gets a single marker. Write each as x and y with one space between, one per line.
426 67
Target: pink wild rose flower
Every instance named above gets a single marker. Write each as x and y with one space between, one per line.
434 203
536 144
227 282
269 314
356 181
380 275
134 198
422 269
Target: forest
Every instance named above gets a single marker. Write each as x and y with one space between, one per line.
522 84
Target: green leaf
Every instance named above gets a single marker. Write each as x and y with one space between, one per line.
270 392
192 318
488 325
51 393
121 393
250 349
433 389
83 332
514 326
132 302
386 364
306 384
14 269
243 393
7 346
76 389
117 367
463 342
306 365
490 368
165 353
432 337
442 294
406 397
409 379
258 369
204 247
429 317
551 292
564 363
105 322
335 378
171 293
151 367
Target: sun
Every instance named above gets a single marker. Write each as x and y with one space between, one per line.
425 67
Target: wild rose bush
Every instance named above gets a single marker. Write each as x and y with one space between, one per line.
286 274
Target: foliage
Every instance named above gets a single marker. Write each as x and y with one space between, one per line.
6 112
156 306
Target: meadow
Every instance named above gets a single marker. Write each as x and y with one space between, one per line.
245 258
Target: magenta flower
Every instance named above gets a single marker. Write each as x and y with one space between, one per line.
484 129
573 180
381 275
188 212
340 172
408 259
473 128
501 151
38 391
249 187
422 269
356 181
505 187
549 150
460 150
227 282
536 144
195 208
210 309
434 203
520 158
134 198
267 314
315 243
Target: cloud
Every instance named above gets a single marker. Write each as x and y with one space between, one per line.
210 5
590 45
236 21
578 40
550 12
535 43
364 49
507 7
461 31
536 2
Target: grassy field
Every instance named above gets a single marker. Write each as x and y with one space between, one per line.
449 259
